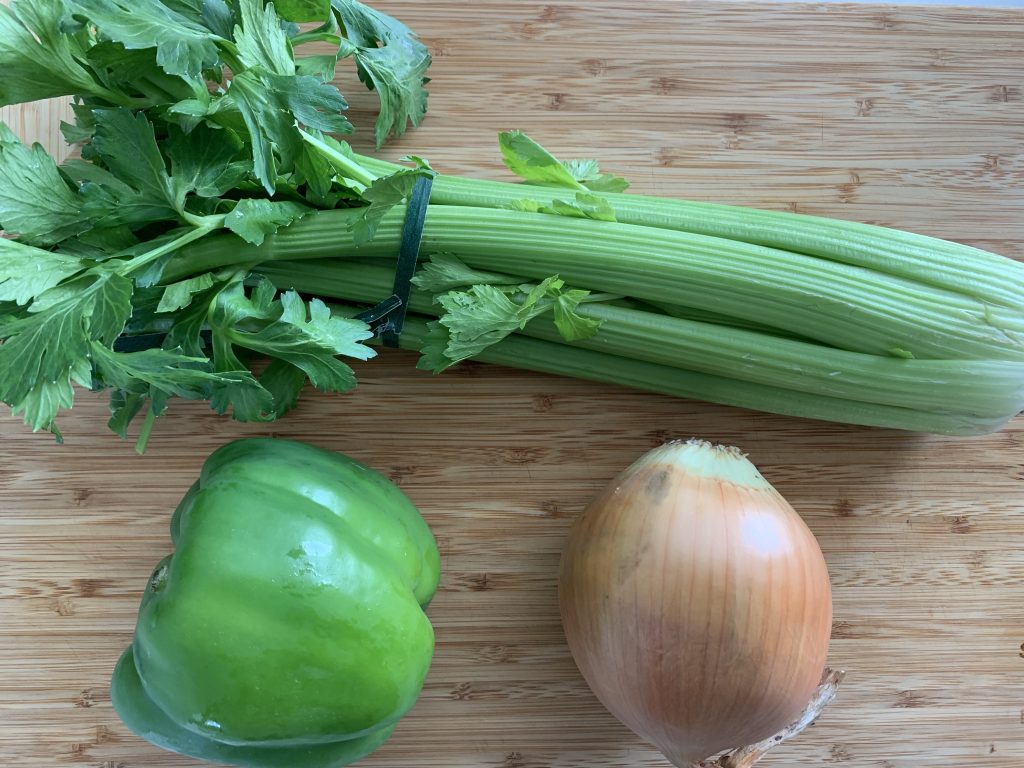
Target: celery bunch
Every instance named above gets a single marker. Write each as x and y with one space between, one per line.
214 211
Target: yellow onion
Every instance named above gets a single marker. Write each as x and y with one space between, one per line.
696 602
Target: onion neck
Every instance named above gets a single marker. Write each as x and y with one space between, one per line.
703 459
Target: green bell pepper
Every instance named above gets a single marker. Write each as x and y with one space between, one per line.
287 630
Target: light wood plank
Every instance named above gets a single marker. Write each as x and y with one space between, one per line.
906 116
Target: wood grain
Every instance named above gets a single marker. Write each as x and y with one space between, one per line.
905 116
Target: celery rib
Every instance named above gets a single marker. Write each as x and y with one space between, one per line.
839 305
983 389
545 357
972 272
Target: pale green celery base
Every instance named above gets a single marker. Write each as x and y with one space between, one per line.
838 305
974 388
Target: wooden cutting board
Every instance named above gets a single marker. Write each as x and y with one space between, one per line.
911 117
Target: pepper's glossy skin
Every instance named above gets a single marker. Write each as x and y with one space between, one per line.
288 628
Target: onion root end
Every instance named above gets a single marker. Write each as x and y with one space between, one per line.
744 757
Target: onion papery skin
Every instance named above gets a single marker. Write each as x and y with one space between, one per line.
696 602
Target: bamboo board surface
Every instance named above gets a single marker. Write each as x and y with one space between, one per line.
911 117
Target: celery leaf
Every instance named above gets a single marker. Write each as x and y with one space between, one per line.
571 325
306 336
284 382
253 219
585 206
271 104
444 271
532 163
42 349
390 60
535 165
588 173
483 315
38 61
36 204
127 145
206 161
433 350
183 46
304 10
261 40
179 295
383 195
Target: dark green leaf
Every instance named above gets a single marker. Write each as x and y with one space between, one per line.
398 75
27 272
99 243
432 352
316 172
124 407
311 342
232 305
204 161
37 60
271 128
179 295
190 9
392 61
383 195
219 18
322 66
285 382
189 323
120 66
304 10
127 145
41 350
443 272
36 204
261 41
307 337
74 133
247 402
82 130
315 104
183 46
369 28
164 370
253 219
111 307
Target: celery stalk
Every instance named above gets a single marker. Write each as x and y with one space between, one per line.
843 306
564 360
969 388
931 261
